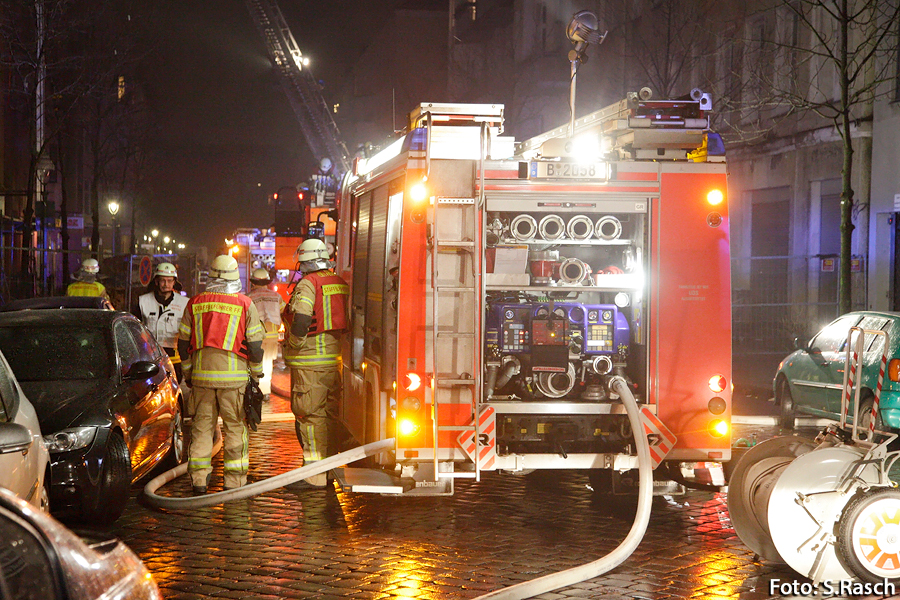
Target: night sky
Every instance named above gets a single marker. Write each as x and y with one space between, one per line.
223 124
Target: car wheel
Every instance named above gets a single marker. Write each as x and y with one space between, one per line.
176 454
45 495
869 536
106 503
865 418
788 410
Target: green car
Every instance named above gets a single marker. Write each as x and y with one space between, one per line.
810 380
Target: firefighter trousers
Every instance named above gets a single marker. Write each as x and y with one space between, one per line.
314 402
210 403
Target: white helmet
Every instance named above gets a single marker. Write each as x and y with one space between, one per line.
224 267
312 249
90 265
325 165
260 277
312 255
165 270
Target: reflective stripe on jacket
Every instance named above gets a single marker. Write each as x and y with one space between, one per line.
329 311
220 322
82 288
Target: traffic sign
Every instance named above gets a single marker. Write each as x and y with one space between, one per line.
145 270
661 439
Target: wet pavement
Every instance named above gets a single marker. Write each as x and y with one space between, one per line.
503 530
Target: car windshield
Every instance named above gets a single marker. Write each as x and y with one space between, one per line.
56 353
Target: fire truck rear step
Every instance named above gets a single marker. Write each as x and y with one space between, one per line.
377 481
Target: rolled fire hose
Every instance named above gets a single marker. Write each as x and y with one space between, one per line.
552 227
523 227
254 489
554 581
608 228
580 227
573 270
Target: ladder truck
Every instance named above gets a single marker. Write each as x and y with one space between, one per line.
496 288
317 123
318 126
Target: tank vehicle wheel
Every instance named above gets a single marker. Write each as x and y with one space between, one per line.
750 484
106 502
868 540
788 416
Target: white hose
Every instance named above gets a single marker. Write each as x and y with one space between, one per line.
254 489
548 583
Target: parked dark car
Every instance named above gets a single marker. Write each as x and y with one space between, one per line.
42 560
48 302
107 400
810 380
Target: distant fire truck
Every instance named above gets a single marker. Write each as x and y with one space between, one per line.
496 286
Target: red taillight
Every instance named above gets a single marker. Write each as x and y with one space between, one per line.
894 369
717 383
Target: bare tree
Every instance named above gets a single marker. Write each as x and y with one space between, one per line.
35 36
667 41
826 59
73 87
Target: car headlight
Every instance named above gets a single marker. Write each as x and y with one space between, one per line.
70 439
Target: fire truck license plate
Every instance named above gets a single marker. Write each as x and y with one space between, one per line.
569 170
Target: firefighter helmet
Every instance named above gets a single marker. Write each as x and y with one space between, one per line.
312 255
165 270
260 277
224 267
325 165
90 265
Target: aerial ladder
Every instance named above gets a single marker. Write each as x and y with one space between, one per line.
319 128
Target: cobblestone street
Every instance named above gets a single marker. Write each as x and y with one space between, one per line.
503 530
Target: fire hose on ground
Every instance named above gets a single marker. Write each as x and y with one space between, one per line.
526 589
259 487
620 554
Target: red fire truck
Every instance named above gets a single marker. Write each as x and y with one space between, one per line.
497 286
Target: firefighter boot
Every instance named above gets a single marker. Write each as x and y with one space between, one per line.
317 481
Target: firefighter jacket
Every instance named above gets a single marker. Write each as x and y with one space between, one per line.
84 288
324 296
161 319
269 305
216 326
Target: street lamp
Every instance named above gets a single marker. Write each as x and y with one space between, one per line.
113 208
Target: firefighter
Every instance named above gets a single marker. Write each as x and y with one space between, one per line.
220 340
269 305
161 310
318 310
86 283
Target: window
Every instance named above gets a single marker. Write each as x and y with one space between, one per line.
126 347
59 353
875 343
833 337
148 349
27 572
